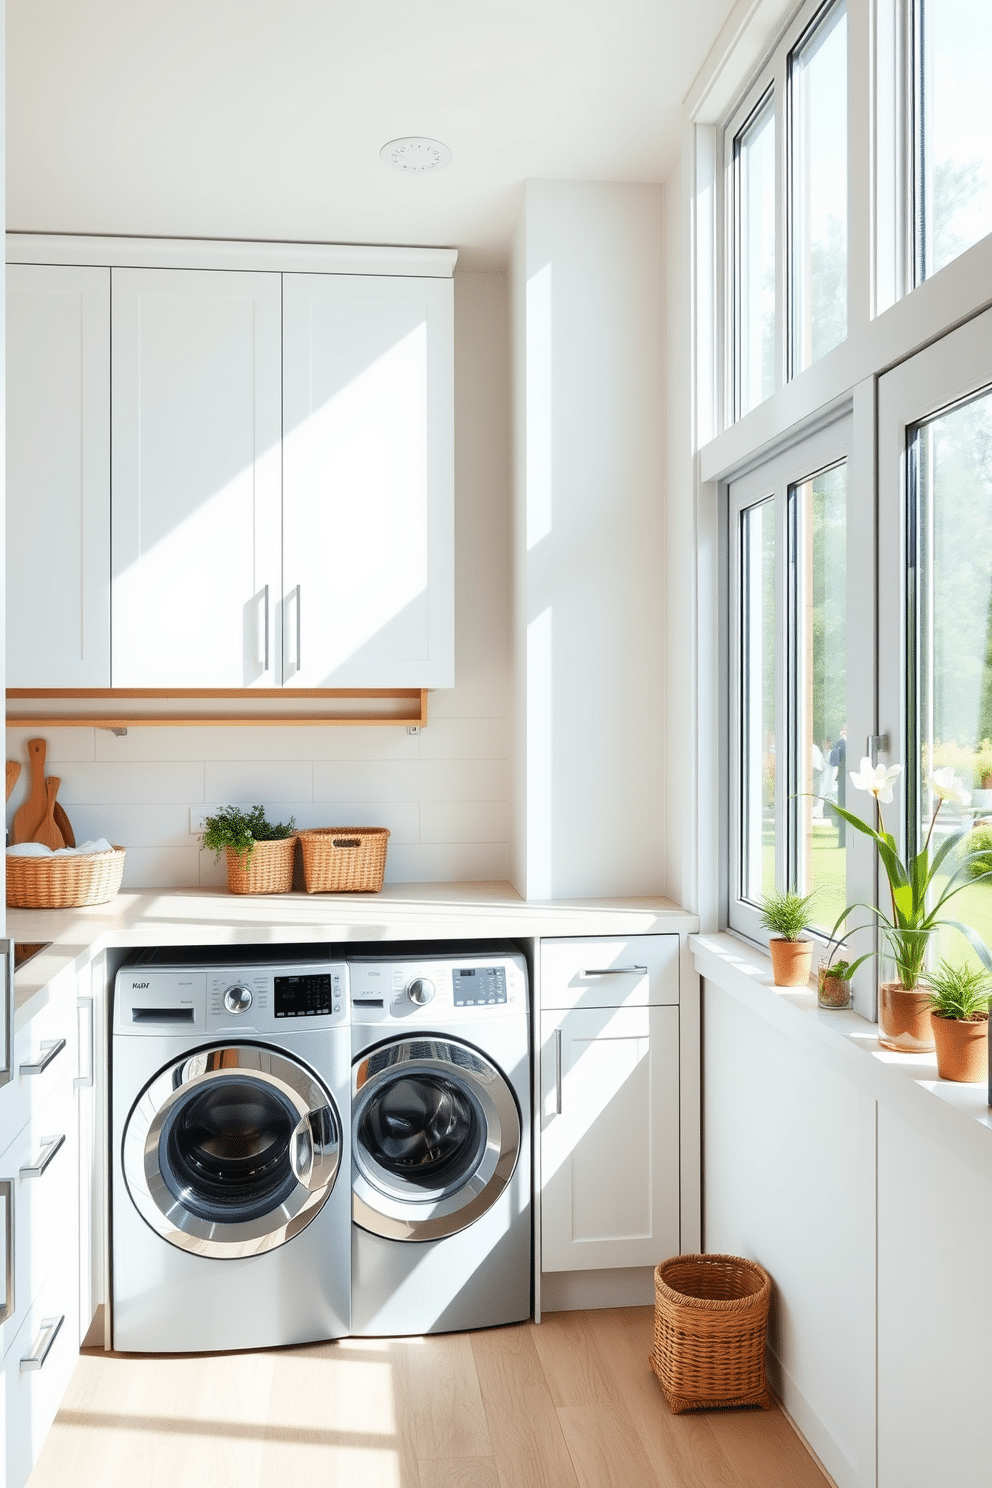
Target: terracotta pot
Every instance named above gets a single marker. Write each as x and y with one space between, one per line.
962 1048
268 870
791 961
904 1019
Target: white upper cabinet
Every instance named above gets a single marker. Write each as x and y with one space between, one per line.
196 477
367 469
58 476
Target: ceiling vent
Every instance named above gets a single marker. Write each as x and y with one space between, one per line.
414 152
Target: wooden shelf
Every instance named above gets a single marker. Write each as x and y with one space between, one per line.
121 708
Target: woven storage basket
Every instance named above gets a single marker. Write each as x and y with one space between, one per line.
64 883
710 1320
344 860
268 869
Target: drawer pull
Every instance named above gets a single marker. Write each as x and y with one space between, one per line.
49 1147
49 1332
615 970
557 1071
51 1048
7 1196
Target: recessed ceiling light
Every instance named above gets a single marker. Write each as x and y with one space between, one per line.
415 153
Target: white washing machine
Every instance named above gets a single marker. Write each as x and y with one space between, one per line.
441 1140
231 1217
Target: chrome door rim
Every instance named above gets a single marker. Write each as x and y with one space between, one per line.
377 1204
315 1160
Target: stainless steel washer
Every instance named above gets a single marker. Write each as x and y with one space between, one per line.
441 1160
231 1186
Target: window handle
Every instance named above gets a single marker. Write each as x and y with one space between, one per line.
875 745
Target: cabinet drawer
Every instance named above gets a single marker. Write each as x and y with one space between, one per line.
608 971
36 1369
38 1063
39 1223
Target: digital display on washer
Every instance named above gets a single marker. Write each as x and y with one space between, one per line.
303 996
478 986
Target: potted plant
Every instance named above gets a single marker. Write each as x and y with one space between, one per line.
785 915
260 853
917 906
959 1012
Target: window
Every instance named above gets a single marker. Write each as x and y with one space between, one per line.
953 129
818 189
754 234
789 565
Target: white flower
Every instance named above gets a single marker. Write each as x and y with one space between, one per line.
876 779
947 787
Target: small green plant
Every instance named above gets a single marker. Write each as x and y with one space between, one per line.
960 992
240 830
842 970
977 850
786 914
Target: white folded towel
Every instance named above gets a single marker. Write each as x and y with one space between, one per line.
39 850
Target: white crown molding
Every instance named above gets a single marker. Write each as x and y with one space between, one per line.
218 253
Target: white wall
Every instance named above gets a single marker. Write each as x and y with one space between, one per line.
444 794
587 308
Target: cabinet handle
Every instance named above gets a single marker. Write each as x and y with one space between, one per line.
52 1048
7 1195
49 1332
49 1147
557 1071
615 970
299 628
7 1012
266 664
84 1019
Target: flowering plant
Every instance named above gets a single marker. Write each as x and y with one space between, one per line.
912 883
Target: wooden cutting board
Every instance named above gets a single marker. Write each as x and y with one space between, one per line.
13 772
64 825
29 817
48 833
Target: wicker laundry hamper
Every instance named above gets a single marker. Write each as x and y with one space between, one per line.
64 882
344 860
710 1321
268 869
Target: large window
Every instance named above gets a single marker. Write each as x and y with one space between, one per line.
754 241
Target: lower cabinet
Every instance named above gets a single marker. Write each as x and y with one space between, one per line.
39 1201
609 1066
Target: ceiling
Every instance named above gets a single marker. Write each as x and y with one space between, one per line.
238 118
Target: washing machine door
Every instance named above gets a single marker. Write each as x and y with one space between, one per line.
231 1150
435 1138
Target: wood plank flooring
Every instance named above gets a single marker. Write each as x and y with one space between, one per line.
569 1404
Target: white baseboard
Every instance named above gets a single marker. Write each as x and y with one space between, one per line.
574 1291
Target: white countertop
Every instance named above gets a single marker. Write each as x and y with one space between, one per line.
907 1081
439 911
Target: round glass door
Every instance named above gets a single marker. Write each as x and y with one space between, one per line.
231 1151
436 1135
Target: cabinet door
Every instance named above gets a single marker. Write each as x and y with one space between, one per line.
58 476
196 477
368 567
609 1137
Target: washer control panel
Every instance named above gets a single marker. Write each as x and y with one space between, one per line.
251 999
452 990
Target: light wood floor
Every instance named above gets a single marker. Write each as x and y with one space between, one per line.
569 1404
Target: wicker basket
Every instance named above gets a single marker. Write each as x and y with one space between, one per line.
344 860
64 882
710 1320
267 869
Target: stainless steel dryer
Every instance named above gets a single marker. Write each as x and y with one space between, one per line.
231 1220
441 1141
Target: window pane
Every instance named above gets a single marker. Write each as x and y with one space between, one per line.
821 510
758 700
954 129
754 153
818 224
953 460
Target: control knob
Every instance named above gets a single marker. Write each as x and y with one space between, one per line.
420 990
237 999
